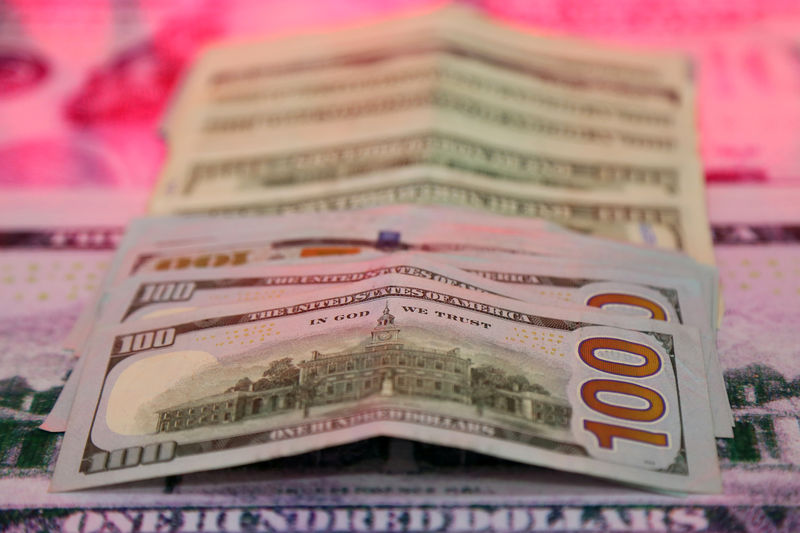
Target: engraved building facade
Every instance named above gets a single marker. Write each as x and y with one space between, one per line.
383 366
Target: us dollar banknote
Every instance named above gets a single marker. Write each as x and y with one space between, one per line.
667 299
238 130
259 130
555 282
180 292
253 123
630 218
582 392
299 124
159 244
562 69
190 262
621 290
242 172
162 244
452 70
172 244
184 283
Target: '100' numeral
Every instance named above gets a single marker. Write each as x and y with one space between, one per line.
166 292
145 340
656 404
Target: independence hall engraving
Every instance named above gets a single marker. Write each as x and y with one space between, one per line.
383 366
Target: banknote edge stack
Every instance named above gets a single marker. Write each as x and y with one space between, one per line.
169 257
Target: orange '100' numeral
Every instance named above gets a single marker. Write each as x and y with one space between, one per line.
613 298
656 405
606 433
651 364
655 409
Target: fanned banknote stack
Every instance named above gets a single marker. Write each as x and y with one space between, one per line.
367 233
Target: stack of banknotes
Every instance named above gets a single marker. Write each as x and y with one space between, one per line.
369 233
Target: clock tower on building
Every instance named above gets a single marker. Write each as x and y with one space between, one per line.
385 332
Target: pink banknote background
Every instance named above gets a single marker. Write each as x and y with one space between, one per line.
83 84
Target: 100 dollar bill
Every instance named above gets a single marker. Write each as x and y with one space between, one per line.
555 282
259 170
665 224
177 243
582 392
170 293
